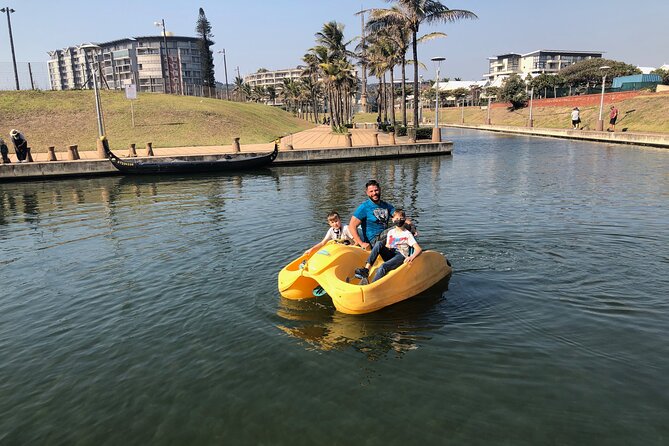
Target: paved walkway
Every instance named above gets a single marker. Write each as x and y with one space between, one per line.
320 137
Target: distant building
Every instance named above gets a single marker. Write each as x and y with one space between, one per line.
636 81
135 60
265 78
534 63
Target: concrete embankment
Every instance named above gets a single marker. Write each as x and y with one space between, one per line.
641 139
90 167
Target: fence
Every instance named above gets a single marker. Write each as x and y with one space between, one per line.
32 76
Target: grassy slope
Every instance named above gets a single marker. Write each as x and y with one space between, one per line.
640 114
61 118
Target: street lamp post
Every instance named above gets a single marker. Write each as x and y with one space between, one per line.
600 122
531 121
225 67
436 133
487 121
9 10
98 104
161 24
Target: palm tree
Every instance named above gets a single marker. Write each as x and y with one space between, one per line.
411 14
271 94
330 60
238 88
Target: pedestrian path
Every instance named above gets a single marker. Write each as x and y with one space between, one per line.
320 137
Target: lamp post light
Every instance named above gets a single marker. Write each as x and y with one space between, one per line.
98 104
531 121
600 122
9 10
436 133
161 24
225 66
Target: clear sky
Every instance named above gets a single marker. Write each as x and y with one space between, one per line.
276 33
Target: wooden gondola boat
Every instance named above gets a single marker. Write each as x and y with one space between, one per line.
229 162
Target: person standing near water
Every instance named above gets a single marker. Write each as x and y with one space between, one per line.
575 118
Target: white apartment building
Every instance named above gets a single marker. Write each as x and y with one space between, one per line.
266 78
136 60
534 63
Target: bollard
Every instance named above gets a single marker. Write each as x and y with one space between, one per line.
29 156
235 146
375 140
436 134
349 140
392 138
101 149
51 154
149 149
365 126
132 151
72 153
289 147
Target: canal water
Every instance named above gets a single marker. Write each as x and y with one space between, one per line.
146 311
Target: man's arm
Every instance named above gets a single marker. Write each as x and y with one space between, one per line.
353 229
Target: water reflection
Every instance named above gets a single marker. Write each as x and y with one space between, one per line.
393 330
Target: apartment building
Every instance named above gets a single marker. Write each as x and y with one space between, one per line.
135 60
534 63
266 78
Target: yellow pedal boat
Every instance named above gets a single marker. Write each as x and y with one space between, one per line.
333 268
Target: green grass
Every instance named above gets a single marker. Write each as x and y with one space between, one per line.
645 113
62 118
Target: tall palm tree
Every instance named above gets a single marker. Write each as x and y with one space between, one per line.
411 14
238 88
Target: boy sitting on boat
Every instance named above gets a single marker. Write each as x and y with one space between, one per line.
336 232
394 252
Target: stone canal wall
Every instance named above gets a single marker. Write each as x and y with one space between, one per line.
89 167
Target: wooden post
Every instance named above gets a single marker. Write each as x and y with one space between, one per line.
376 139
392 138
72 153
235 146
51 154
149 149
349 140
132 152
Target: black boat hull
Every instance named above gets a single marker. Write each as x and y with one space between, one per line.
234 162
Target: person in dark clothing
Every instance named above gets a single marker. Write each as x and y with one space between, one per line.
4 152
20 145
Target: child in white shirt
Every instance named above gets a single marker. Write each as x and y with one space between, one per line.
337 231
394 252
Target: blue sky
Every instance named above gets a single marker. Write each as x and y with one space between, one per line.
276 33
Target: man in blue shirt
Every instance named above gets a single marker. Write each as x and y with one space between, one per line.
372 216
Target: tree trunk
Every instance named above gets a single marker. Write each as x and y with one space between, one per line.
392 95
414 45
404 92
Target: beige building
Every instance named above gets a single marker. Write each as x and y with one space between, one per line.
265 78
534 63
137 60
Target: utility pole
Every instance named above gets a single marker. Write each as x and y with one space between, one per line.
11 43
167 57
225 66
30 71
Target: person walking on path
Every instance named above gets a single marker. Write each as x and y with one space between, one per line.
575 118
613 117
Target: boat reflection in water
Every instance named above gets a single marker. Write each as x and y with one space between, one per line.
394 329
